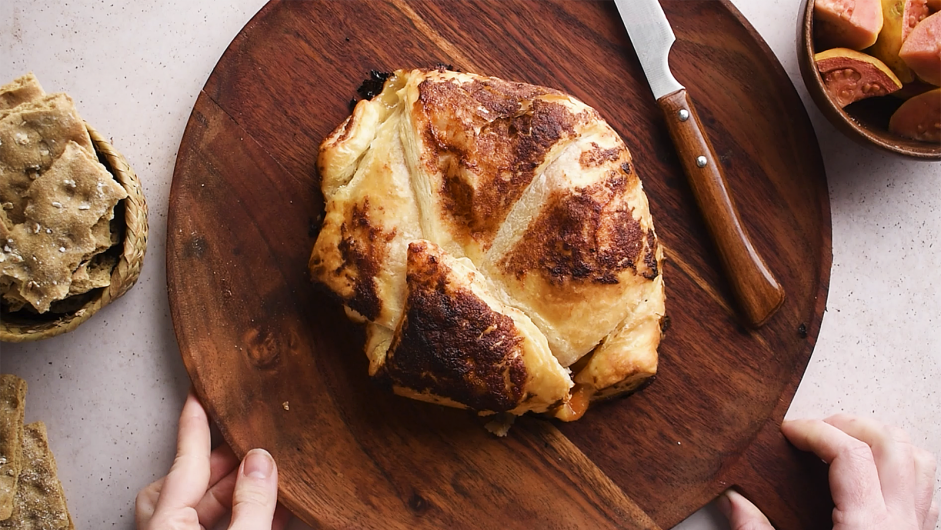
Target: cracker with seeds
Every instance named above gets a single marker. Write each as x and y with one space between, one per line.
39 503
57 202
102 234
93 274
12 407
39 256
21 90
32 136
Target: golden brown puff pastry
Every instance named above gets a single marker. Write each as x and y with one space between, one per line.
497 242
458 345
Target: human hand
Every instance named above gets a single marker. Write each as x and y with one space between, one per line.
878 479
203 486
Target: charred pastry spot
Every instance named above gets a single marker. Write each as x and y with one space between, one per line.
583 235
373 85
650 257
489 155
555 406
665 323
382 380
347 128
626 388
596 156
458 198
363 249
451 343
616 182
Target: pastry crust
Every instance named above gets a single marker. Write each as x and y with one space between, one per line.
456 201
458 345
371 217
584 241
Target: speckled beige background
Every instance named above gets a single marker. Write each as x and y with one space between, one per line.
110 391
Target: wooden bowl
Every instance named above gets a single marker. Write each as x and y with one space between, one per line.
21 326
865 121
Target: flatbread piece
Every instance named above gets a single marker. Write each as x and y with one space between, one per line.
40 501
32 136
21 90
63 206
12 407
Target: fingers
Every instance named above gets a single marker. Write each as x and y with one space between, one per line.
741 513
256 492
893 455
925 468
217 501
854 480
282 517
146 502
222 461
932 518
189 476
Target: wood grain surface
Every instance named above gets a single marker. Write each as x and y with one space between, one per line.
279 365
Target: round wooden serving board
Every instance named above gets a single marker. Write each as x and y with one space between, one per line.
279 366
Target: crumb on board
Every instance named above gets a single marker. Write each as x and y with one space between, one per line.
500 424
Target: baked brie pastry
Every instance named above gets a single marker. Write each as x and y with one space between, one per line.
495 240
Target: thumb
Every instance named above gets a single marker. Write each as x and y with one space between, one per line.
256 492
741 513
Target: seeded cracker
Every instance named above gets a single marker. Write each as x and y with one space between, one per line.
40 502
12 406
39 256
102 234
93 274
21 90
32 136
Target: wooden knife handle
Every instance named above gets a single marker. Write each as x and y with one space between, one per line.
758 292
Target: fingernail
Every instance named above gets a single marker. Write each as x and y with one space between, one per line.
724 503
258 464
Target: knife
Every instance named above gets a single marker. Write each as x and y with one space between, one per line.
757 291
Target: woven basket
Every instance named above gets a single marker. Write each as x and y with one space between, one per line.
22 326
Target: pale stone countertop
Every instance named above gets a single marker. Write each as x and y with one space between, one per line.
110 392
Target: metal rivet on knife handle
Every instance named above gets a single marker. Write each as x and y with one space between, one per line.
684 114
701 161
